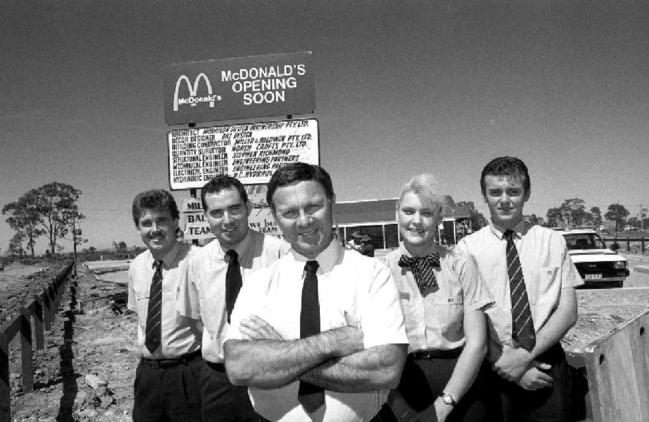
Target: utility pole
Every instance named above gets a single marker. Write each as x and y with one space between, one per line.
74 243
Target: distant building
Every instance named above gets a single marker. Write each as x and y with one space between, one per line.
377 219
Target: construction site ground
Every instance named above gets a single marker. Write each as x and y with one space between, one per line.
86 371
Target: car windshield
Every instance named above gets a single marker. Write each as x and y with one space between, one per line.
584 241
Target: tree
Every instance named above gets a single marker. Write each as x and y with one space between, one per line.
534 220
120 247
25 219
16 244
554 217
617 213
477 219
56 205
597 216
574 212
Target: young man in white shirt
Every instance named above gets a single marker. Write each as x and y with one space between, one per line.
532 279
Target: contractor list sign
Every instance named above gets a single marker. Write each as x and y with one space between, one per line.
240 87
250 152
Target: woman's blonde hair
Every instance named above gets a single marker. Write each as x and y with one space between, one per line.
426 187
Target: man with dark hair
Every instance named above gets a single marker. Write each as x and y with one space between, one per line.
220 182
165 380
318 335
531 278
216 272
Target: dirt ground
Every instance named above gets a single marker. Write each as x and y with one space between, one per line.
20 282
86 371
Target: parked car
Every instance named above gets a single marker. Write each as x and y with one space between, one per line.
597 264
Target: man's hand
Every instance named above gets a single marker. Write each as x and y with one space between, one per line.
256 328
512 363
534 378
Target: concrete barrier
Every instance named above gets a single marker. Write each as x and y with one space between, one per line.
617 367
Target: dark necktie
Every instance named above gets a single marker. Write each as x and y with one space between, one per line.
153 337
310 396
422 269
232 281
522 324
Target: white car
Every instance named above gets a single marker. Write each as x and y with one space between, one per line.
596 264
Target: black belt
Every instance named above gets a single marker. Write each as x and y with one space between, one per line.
436 354
168 363
217 366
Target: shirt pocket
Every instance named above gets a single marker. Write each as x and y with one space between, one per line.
446 314
142 302
212 310
541 284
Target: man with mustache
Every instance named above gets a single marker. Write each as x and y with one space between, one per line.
165 381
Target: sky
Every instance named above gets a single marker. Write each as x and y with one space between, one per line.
402 87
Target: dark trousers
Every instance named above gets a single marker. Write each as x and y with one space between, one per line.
384 415
222 401
423 380
511 403
167 392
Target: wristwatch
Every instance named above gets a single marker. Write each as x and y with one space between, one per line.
448 399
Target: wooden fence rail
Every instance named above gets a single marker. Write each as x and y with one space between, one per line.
40 313
621 240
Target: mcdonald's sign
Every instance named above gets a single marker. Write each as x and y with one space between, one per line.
239 87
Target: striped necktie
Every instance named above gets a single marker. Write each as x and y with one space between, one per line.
522 324
153 337
232 281
422 268
310 396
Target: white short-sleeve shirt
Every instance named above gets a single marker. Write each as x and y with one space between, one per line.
547 268
353 290
436 321
202 295
179 335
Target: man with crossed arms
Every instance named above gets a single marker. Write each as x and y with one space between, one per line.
532 279
215 274
319 335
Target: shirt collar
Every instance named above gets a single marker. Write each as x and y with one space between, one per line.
170 257
240 247
326 259
519 229
435 249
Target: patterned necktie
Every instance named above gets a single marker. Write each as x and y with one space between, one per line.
153 337
310 396
422 268
232 281
522 324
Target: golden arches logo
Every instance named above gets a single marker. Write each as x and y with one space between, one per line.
193 89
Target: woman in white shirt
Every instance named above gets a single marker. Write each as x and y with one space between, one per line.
443 300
